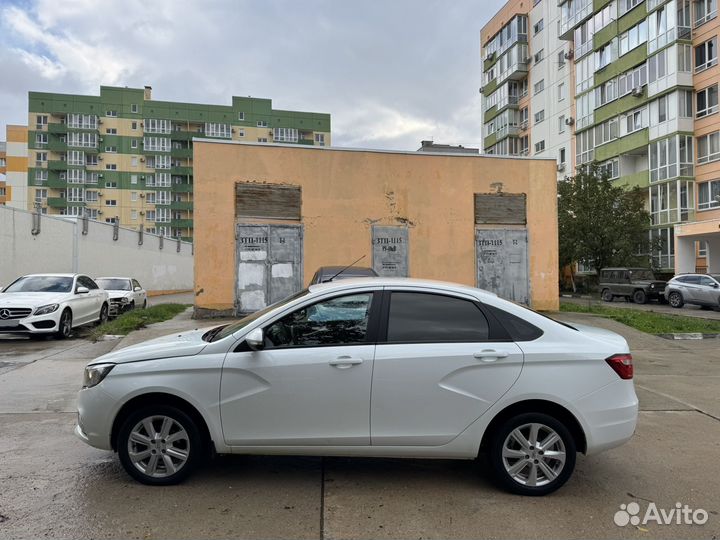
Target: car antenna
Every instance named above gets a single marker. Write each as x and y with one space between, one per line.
341 271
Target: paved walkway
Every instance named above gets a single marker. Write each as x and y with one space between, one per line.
688 311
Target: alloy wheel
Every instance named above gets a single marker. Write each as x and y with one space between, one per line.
158 446
66 324
533 454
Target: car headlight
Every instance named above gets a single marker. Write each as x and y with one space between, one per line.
124 300
95 374
44 310
652 285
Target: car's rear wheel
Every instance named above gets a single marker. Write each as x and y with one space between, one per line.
532 454
159 445
65 325
675 299
607 295
639 297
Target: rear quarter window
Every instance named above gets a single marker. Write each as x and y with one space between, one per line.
518 329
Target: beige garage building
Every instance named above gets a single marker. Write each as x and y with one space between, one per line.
267 216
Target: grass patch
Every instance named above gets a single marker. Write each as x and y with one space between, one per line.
647 321
136 319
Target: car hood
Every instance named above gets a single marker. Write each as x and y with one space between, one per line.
32 299
606 336
118 294
170 346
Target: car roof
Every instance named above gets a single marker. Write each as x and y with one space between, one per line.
112 277
625 268
394 282
50 274
329 269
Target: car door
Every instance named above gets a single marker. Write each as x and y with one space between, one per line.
691 289
437 369
91 301
706 291
310 384
138 296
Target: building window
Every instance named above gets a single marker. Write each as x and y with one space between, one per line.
133 108
626 5
607 131
671 157
41 121
706 55
111 149
584 38
133 143
156 144
218 130
561 156
91 159
111 185
134 161
76 157
539 116
241 132
709 195
133 178
111 131
133 215
40 158
538 27
82 121
110 202
539 147
709 148
261 123
111 167
111 113
630 80
585 108
605 55
704 11
76 176
41 176
635 120
285 135
133 125
706 101
241 116
41 139
92 178
539 55
584 146
539 86
133 196
262 139
561 123
561 59
561 91
83 140
155 125
606 93
584 71
91 196
611 169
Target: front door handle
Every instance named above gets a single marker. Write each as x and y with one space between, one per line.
490 355
344 362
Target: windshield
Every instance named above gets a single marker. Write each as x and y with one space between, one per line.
642 274
114 284
55 284
222 332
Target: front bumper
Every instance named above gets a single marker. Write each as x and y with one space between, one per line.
94 417
32 324
116 307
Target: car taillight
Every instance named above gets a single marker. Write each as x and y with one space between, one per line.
622 364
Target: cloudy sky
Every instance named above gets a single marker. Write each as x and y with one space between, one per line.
390 72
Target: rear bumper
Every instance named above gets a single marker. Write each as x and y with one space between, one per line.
610 415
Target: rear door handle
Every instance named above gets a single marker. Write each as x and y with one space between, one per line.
490 355
344 362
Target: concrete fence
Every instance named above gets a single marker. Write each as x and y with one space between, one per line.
30 243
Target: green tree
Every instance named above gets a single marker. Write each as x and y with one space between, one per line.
601 224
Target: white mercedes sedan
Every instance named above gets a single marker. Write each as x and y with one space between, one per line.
54 304
368 367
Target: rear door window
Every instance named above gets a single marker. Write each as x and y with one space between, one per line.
433 318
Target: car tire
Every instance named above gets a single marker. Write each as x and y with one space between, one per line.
65 325
607 296
145 304
516 458
104 314
131 306
639 297
675 299
147 462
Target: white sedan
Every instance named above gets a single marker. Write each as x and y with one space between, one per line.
125 294
40 304
369 367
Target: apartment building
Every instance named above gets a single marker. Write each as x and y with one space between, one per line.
13 167
643 81
124 157
526 94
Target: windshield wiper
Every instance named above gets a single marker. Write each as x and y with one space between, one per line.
210 334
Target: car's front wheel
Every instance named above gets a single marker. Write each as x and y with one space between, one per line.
639 297
65 325
532 454
159 445
104 314
675 299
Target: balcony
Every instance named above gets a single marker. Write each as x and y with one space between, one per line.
184 135
56 144
57 202
182 171
57 165
182 188
182 223
181 205
57 127
507 131
573 13
181 152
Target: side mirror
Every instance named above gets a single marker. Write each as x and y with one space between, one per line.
82 290
255 339
137 289
715 285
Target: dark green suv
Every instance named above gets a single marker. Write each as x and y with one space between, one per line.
638 284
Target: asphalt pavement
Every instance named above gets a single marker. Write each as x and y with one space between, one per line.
53 485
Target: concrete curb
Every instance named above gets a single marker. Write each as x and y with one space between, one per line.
689 335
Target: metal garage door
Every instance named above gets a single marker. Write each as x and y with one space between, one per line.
502 262
269 264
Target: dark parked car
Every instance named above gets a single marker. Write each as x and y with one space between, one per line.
638 284
332 273
699 289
